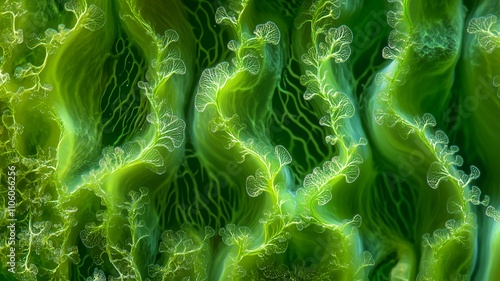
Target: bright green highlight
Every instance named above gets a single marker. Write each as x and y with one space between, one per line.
249 140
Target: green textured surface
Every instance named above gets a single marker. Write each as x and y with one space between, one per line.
249 140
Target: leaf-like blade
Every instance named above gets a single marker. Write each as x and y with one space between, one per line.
269 32
283 155
436 174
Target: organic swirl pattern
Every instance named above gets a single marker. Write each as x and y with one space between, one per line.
249 140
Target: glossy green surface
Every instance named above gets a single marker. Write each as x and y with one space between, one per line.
249 140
